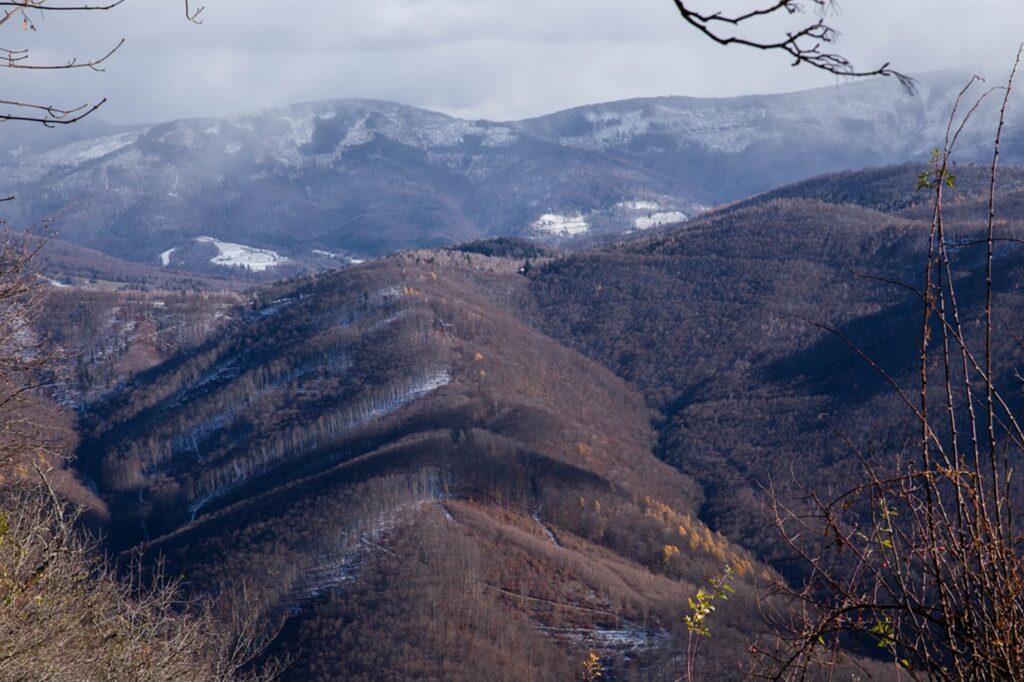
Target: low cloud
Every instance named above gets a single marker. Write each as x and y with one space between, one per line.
476 58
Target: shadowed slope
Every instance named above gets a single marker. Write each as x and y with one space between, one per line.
388 456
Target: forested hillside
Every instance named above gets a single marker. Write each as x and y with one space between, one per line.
441 458
301 382
728 328
389 458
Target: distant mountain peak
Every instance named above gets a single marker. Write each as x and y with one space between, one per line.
368 177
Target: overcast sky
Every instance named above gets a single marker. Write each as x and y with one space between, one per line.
473 58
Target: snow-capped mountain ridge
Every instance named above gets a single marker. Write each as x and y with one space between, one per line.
366 177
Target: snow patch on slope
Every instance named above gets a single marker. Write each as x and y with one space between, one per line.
377 404
357 135
240 255
562 225
87 150
632 637
499 136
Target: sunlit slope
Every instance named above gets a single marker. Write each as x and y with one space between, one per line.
398 424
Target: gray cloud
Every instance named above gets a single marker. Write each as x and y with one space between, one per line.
477 58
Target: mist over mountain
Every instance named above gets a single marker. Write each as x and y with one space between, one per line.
314 185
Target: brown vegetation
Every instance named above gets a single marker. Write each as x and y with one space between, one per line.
65 615
922 554
293 448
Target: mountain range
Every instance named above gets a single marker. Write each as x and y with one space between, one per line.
312 186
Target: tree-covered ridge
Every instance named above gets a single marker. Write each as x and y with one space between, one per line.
337 419
725 326
328 427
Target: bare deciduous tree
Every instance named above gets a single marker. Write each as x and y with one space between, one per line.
808 44
26 433
922 560
20 13
66 613
23 14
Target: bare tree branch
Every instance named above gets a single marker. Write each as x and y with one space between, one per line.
806 45
12 109
925 556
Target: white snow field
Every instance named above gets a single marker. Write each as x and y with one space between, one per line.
240 255
563 225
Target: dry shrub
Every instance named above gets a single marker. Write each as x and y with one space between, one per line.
65 614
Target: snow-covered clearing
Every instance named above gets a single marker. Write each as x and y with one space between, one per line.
564 225
240 255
